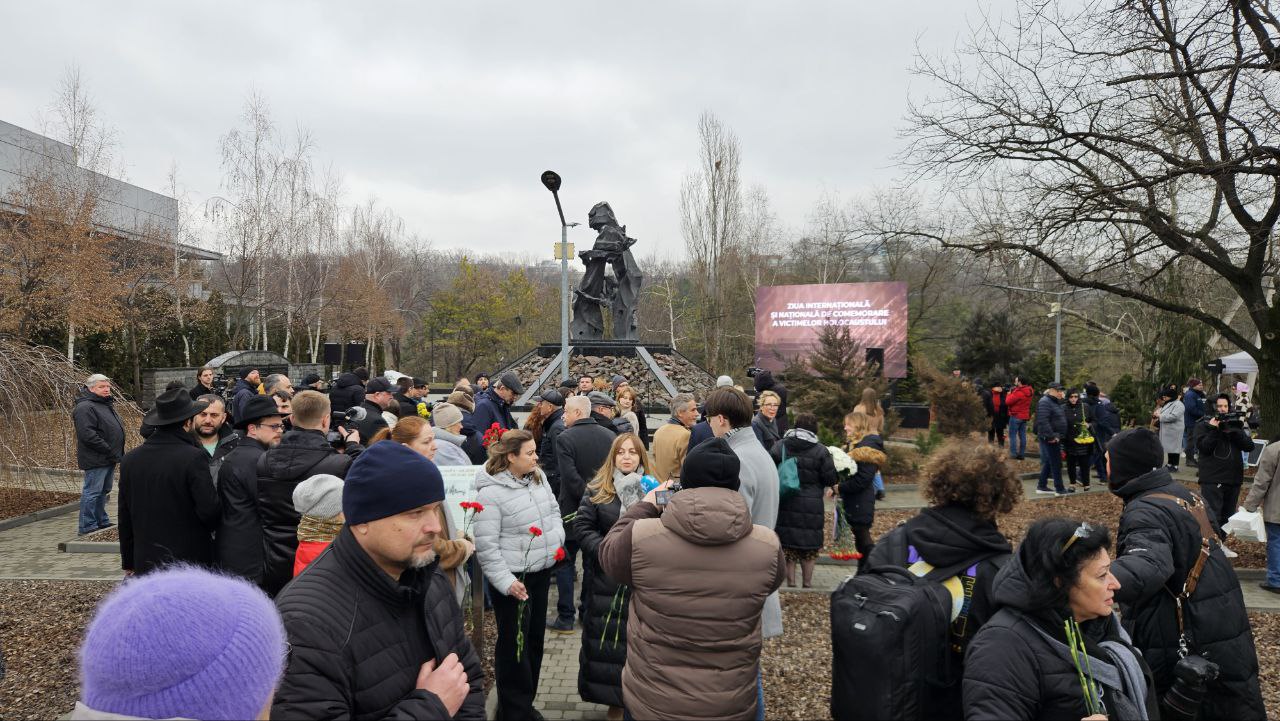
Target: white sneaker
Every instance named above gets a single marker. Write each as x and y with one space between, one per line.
1046 492
1229 553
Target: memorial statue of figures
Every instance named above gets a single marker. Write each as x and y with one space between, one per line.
620 292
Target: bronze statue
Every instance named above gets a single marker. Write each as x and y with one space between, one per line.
619 292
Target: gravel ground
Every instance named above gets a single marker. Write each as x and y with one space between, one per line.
106 535
20 501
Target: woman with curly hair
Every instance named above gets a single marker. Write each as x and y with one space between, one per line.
858 492
968 486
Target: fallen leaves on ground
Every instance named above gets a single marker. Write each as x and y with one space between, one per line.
20 501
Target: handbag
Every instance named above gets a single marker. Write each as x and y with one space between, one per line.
788 476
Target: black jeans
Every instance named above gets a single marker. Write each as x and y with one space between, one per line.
1078 468
517 680
1221 500
995 432
862 541
1173 458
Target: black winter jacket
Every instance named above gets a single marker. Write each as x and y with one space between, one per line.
552 427
373 421
949 536
491 409
302 453
766 382
168 506
358 640
766 430
99 432
474 445
241 392
605 422
238 546
1106 420
346 393
997 410
1077 414
1012 672
801 517
580 451
405 406
604 645
858 492
1156 547
1051 419
1219 450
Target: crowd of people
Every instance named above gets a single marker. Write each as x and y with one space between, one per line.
317 516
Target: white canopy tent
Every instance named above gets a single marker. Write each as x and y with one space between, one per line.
1240 362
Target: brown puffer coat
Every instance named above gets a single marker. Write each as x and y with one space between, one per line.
699 576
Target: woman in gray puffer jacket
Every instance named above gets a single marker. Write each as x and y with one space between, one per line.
519 538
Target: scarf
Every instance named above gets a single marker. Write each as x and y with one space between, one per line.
1121 673
453 438
627 488
318 530
802 434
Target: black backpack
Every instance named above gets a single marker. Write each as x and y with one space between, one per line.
895 648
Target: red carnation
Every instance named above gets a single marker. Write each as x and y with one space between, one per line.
466 504
535 531
477 507
560 554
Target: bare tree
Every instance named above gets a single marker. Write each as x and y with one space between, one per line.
1123 137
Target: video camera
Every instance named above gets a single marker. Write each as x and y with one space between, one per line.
752 371
221 386
664 497
345 419
1231 419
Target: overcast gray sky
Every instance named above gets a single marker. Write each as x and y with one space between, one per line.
449 112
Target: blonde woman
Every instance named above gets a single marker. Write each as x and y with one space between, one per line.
858 493
628 406
615 487
517 562
765 423
870 404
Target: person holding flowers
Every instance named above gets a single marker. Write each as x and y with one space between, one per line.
519 538
1054 649
614 489
1078 443
858 492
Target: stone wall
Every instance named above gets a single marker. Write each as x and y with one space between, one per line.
155 379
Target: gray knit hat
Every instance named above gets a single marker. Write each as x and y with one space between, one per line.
724 382
319 496
445 415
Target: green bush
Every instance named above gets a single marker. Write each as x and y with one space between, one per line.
957 409
927 443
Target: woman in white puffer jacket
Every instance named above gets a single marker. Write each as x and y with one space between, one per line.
517 563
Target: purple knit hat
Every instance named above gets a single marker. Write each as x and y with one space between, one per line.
183 643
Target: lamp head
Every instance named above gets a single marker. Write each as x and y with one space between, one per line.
551 180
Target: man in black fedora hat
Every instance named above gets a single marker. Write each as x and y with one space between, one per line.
168 506
238 545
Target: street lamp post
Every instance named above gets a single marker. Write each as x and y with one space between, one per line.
1055 312
551 180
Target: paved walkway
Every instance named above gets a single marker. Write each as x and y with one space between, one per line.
31 551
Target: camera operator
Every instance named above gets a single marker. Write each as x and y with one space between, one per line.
1161 558
1220 438
699 573
303 452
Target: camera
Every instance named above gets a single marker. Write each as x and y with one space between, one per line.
1191 677
220 385
664 497
345 419
1231 419
753 371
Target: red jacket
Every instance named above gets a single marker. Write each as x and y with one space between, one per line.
308 551
1019 402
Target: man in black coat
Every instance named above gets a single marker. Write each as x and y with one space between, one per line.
493 405
377 398
99 447
1106 423
302 453
581 449
245 388
1156 547
238 545
552 427
168 506
1050 428
603 409
406 402
1220 445
374 630
348 391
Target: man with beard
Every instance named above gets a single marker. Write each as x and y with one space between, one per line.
374 630
238 546
213 434
245 388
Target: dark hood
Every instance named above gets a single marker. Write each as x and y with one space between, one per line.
950 535
1012 588
346 380
1149 481
764 381
87 397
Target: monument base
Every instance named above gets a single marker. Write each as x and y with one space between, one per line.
655 371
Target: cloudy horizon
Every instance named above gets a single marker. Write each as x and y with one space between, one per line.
448 115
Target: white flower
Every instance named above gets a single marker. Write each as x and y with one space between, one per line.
844 464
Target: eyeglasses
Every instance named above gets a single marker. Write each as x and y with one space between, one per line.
272 426
1082 532
770 405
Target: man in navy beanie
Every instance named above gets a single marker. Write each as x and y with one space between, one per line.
373 626
1157 547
